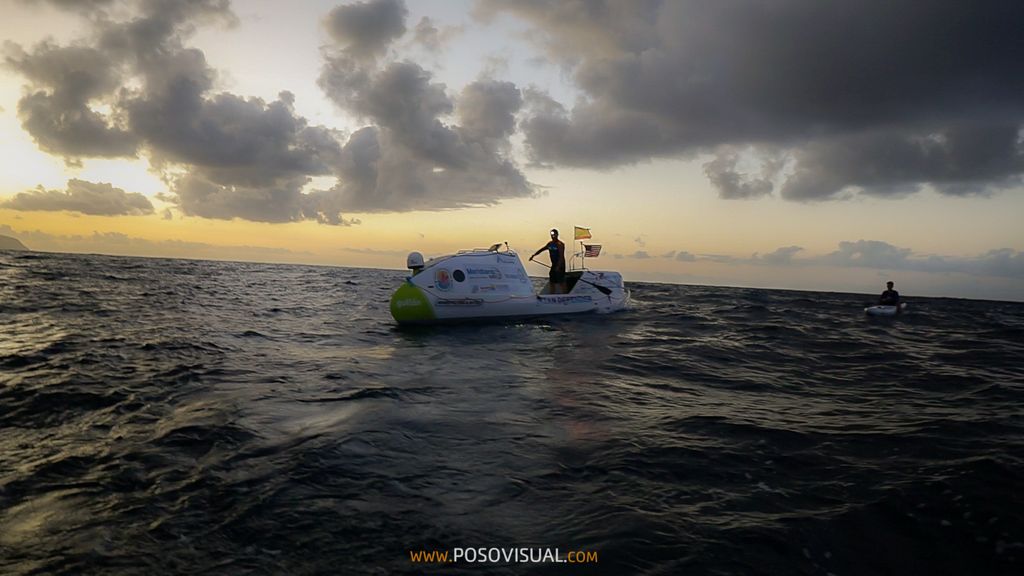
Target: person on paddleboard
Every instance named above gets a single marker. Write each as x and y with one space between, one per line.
556 250
890 297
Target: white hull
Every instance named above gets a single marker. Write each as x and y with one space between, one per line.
481 285
885 310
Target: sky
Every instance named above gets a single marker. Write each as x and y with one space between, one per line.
795 144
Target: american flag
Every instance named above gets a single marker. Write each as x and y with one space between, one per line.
591 250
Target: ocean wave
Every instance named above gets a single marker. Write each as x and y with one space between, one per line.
177 416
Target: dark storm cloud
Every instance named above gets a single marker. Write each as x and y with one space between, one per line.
82 196
222 155
590 136
244 158
240 157
233 141
402 100
56 110
975 158
159 29
366 29
412 155
381 174
200 196
880 97
487 109
69 84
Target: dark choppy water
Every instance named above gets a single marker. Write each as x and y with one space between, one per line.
189 417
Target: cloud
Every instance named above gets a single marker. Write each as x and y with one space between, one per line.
879 255
684 256
782 255
57 112
724 174
852 96
100 199
72 107
376 252
486 112
122 244
868 253
410 156
1003 262
431 38
380 174
971 158
722 259
401 99
639 255
245 158
365 30
135 87
86 6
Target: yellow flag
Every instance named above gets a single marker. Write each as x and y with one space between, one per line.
581 233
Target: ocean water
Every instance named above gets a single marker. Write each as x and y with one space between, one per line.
192 417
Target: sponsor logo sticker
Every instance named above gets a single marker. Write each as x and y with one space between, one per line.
443 280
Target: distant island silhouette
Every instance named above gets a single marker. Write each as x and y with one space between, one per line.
8 243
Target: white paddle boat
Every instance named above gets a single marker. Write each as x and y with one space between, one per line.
882 310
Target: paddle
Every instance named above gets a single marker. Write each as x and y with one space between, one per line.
604 289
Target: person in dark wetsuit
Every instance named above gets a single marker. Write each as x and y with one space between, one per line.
556 249
890 297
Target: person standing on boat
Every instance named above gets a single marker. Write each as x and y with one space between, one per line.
890 297
556 250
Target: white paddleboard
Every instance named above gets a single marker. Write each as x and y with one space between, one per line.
884 310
